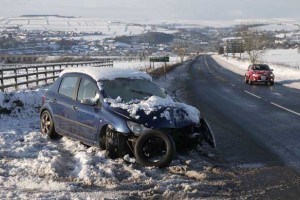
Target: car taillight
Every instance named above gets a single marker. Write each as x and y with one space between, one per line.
43 100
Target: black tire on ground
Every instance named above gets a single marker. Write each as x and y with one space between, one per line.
272 83
250 82
102 141
143 158
47 125
246 81
111 143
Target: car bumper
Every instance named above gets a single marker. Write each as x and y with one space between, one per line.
262 79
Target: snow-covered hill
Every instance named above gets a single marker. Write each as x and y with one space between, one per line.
78 25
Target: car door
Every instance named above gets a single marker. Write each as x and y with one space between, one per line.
64 104
87 115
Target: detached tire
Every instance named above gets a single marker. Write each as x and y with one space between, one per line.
47 125
143 156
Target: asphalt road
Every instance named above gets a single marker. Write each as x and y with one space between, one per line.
254 125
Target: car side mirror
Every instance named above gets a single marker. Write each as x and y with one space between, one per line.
89 101
173 95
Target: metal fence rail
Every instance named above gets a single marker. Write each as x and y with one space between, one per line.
38 75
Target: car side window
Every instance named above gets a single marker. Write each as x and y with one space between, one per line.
87 90
67 86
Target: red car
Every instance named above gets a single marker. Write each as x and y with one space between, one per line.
259 73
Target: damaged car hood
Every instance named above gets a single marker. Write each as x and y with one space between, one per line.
157 112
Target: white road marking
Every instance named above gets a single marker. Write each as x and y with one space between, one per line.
252 94
291 111
276 93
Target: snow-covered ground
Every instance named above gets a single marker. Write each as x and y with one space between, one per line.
284 62
278 27
78 24
143 65
34 167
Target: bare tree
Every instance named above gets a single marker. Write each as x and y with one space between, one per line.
253 43
181 52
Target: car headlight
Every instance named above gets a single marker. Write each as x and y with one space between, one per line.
255 75
272 75
136 128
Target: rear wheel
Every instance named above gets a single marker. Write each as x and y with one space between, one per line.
47 125
154 148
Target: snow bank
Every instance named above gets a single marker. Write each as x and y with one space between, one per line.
14 102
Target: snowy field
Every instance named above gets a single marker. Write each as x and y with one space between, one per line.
143 65
117 28
34 167
284 62
279 27
78 24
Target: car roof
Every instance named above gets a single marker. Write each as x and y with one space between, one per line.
108 73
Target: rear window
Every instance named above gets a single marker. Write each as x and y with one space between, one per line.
67 86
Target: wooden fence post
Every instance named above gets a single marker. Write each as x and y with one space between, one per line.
46 77
37 76
27 84
16 78
2 81
53 73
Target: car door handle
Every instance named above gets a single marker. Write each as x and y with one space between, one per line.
75 107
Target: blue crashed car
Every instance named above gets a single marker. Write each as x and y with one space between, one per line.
123 112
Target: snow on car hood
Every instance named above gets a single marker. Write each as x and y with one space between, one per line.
157 111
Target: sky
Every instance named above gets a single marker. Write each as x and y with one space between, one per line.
155 9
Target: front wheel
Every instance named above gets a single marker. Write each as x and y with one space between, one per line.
154 148
250 82
111 143
47 125
246 81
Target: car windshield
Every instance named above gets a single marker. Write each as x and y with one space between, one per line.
261 67
131 89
